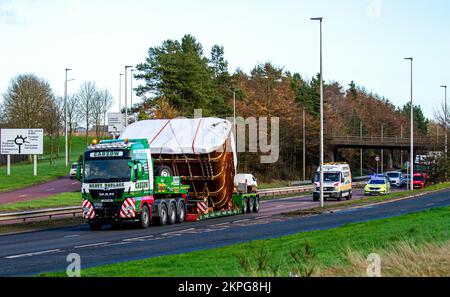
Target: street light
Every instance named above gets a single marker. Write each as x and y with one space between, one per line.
320 19
445 119
131 89
411 157
126 103
120 92
65 120
382 151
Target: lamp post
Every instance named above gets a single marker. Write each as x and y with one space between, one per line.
304 144
126 103
445 127
411 157
66 147
320 19
131 89
382 151
120 92
445 119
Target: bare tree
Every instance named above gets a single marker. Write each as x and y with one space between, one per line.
26 100
73 118
52 126
86 96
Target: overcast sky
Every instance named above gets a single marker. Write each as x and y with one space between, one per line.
364 40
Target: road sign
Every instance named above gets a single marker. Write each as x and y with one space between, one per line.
21 141
377 158
116 122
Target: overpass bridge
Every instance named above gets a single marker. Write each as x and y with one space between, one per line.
389 143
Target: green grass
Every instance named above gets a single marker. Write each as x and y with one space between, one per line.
323 249
22 173
273 184
59 200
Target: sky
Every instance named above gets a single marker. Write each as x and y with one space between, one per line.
363 40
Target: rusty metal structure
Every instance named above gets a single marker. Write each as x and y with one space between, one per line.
210 175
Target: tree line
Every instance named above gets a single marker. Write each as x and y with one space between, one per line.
177 77
30 102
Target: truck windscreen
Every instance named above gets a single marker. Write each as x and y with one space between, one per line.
103 171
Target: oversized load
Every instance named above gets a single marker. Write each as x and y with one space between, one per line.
202 151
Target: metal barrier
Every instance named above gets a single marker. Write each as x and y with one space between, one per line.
76 210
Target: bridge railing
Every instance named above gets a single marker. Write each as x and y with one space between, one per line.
349 139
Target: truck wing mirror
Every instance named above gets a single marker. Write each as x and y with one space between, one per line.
139 170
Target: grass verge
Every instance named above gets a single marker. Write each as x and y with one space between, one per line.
300 254
59 200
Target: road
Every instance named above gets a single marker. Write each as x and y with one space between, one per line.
41 251
41 191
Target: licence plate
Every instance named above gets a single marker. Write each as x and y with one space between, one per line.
107 200
98 205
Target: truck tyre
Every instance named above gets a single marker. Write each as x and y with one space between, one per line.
162 219
144 220
172 213
181 212
95 226
245 205
164 171
340 197
316 197
251 204
256 205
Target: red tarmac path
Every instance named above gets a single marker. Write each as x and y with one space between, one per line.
54 187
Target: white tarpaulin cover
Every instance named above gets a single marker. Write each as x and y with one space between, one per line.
183 136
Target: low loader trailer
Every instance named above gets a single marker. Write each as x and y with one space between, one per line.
132 180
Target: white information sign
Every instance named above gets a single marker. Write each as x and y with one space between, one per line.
116 122
21 141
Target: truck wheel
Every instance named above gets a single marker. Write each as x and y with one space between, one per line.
95 226
256 205
340 197
245 205
172 214
145 217
181 216
162 219
316 198
250 205
164 171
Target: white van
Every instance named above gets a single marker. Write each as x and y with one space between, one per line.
337 182
248 179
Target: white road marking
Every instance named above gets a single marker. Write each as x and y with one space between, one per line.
50 189
90 245
280 206
241 221
74 183
71 236
430 204
118 243
138 238
24 195
33 254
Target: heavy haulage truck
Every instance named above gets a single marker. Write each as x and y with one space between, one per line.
164 172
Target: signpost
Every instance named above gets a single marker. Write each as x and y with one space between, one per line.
115 123
377 158
21 142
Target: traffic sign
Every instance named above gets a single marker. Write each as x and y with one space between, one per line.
377 158
22 141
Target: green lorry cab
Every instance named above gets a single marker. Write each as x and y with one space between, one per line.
120 185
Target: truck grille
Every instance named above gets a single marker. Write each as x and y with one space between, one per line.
109 210
325 189
110 194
